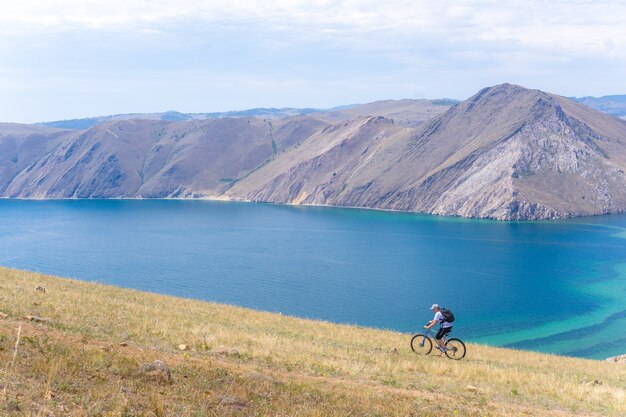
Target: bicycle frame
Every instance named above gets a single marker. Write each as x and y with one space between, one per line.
431 334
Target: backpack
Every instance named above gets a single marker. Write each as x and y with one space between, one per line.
448 316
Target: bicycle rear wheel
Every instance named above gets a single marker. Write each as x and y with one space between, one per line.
421 344
455 349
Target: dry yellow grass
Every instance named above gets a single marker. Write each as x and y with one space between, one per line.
244 362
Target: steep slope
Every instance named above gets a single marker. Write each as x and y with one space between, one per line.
103 162
88 356
20 145
505 153
143 158
205 158
317 171
202 158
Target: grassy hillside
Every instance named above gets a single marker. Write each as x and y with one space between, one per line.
91 356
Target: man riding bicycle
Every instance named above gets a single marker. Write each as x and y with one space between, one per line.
444 329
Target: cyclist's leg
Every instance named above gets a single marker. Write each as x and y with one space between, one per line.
440 334
439 337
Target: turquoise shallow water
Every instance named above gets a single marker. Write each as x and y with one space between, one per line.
555 287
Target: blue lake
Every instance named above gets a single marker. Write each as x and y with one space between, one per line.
548 286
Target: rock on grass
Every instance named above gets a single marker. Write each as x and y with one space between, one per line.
157 369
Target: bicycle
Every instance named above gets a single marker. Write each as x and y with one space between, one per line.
422 344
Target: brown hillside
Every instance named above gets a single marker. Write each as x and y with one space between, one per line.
505 153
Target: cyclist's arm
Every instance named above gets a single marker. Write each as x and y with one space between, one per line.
431 324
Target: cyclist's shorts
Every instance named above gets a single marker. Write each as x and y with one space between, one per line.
443 331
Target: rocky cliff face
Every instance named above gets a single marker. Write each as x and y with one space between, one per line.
506 153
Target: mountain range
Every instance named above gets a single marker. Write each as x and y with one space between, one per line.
175 116
507 153
614 105
403 111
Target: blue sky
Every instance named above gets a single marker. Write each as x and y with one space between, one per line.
63 59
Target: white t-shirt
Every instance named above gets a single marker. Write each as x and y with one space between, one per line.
439 318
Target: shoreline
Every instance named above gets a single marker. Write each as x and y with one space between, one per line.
244 201
618 358
601 287
82 344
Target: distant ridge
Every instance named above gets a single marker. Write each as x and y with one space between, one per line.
172 115
614 105
405 110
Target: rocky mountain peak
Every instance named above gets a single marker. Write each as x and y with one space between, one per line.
503 96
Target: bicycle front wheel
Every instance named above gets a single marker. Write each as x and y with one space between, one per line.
421 344
455 349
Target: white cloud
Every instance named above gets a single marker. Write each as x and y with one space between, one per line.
592 25
578 28
333 49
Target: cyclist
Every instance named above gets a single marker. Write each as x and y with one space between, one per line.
444 328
